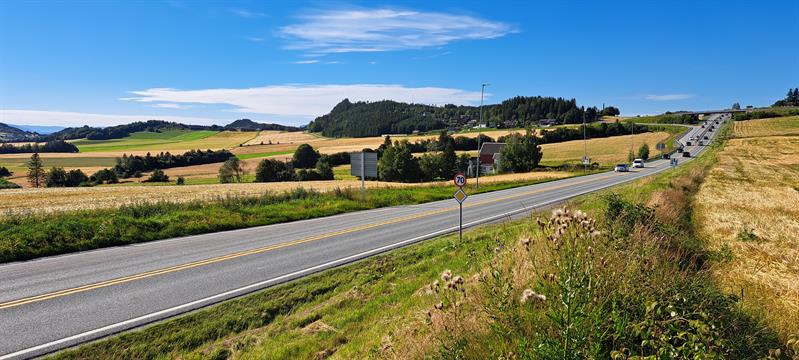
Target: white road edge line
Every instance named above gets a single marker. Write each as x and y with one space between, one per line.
194 305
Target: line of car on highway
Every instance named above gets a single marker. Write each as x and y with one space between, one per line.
697 140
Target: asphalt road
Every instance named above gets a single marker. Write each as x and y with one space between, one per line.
56 302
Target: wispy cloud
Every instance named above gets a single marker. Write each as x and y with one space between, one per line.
255 39
374 30
66 118
170 106
306 62
247 13
304 100
669 97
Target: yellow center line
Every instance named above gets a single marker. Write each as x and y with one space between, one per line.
171 269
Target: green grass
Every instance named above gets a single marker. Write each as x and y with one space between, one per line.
143 140
262 155
32 236
377 301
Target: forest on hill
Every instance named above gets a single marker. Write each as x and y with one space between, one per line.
121 131
360 119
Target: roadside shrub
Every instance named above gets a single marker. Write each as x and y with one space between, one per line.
4 172
180 181
643 152
521 154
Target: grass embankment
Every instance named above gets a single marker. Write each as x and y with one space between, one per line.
747 209
35 235
649 296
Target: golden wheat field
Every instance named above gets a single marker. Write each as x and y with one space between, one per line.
767 127
605 151
49 200
748 205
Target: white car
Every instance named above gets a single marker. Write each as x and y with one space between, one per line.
621 168
638 163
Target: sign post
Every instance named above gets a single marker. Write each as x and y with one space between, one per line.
460 197
363 164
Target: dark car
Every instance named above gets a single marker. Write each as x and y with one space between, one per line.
686 154
706 138
666 156
687 143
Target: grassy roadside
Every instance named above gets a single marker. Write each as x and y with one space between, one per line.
25 237
392 306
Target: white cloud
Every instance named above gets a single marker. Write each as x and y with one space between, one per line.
255 39
246 13
306 62
340 31
170 106
305 100
669 97
65 118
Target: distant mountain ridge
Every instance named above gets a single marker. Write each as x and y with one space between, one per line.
39 129
10 133
360 119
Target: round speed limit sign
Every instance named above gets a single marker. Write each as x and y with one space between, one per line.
459 180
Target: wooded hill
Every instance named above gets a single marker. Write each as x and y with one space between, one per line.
360 119
120 131
10 133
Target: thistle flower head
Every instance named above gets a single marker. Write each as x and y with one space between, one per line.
446 275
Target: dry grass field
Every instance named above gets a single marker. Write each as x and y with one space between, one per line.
47 200
605 151
748 205
767 127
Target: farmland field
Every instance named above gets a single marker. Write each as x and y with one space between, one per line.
46 200
604 151
172 140
767 127
747 208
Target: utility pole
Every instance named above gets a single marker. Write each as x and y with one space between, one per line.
585 146
479 124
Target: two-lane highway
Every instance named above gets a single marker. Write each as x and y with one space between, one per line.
56 302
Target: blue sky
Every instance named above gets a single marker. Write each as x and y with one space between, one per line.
106 62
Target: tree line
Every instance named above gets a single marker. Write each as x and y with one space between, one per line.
792 99
361 119
133 165
55 146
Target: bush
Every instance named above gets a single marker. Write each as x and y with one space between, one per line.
4 172
305 157
643 152
157 176
231 171
180 181
270 170
5 184
521 154
104 176
398 164
58 177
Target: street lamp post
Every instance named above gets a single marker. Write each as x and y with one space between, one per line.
479 124
585 146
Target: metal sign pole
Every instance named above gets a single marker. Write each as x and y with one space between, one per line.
363 176
460 224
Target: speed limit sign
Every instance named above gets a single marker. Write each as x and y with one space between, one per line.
459 179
